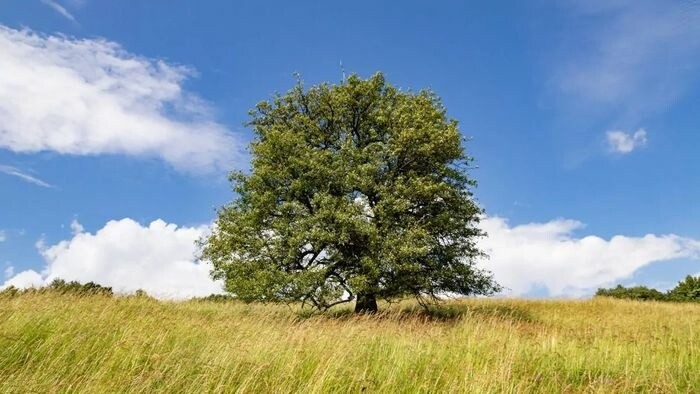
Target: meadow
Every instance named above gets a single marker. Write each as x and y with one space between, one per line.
66 343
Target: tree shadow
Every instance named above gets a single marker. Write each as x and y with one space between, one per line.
503 312
438 312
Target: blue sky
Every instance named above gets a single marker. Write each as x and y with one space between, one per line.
583 118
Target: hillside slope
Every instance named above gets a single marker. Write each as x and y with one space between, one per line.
57 343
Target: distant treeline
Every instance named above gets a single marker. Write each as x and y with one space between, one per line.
61 286
687 290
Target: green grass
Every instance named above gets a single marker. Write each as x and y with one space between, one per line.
63 343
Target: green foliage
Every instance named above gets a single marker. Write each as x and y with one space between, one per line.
216 298
60 286
141 293
687 290
357 191
76 288
641 293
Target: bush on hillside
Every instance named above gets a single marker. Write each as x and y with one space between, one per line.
641 293
62 287
141 293
216 298
687 290
76 288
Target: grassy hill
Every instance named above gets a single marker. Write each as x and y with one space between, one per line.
58 343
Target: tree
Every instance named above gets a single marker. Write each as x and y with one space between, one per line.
687 290
357 191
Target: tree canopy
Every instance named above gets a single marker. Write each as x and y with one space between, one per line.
357 191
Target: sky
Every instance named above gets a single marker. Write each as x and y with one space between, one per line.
119 122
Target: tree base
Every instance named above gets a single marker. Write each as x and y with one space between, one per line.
366 303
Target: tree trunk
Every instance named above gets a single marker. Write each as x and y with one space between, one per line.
366 303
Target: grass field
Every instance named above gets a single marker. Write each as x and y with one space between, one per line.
62 343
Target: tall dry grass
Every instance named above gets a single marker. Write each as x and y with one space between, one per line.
63 343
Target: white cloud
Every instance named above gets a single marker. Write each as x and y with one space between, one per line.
158 258
622 142
549 255
91 97
2 236
24 280
60 9
634 56
16 172
75 227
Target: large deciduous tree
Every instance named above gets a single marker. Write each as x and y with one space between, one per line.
357 192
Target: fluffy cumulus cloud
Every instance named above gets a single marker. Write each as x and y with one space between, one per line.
549 255
158 258
622 142
24 279
90 97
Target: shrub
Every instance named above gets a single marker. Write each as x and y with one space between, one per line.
687 290
62 287
216 298
141 293
76 288
641 293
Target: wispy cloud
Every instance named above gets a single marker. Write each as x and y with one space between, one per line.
2 236
60 9
623 142
16 172
636 56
